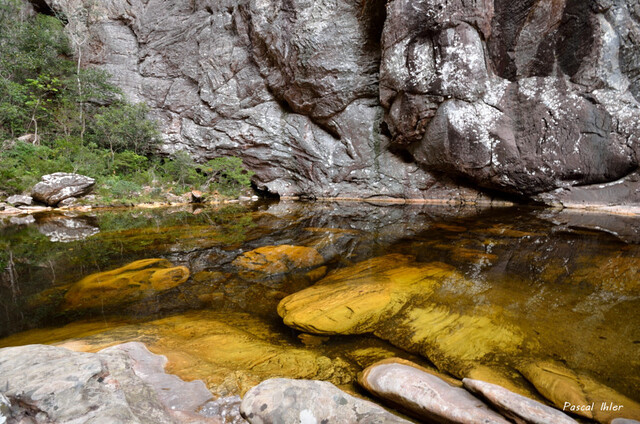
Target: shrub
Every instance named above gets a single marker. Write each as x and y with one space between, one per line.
124 126
228 175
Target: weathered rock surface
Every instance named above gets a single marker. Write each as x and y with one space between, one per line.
294 94
389 296
122 384
306 401
516 407
131 282
58 186
425 396
518 96
20 200
530 98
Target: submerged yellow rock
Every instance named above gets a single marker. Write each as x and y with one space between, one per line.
273 260
355 299
230 351
135 281
579 394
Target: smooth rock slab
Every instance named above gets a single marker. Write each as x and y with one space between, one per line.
58 186
282 401
516 407
137 280
426 396
561 385
20 200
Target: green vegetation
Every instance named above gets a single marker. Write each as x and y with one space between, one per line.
81 123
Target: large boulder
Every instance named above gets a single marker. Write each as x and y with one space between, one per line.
58 186
282 400
122 384
518 96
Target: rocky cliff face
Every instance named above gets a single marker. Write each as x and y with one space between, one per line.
362 99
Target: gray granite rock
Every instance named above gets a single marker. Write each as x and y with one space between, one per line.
20 200
550 105
121 384
58 186
22 220
533 99
280 400
290 88
518 408
426 396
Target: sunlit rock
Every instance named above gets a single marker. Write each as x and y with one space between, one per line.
579 394
424 395
353 300
303 401
389 296
516 407
135 281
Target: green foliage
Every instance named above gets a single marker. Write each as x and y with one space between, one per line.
126 127
83 124
228 175
183 170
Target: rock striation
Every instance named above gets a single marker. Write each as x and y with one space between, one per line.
533 99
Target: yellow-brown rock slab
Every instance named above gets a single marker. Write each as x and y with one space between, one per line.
447 336
590 399
137 280
230 351
353 300
273 260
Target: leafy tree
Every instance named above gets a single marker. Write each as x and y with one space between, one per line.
124 126
228 175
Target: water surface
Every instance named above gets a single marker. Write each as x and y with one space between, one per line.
514 288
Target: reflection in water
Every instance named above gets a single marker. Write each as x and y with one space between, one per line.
68 229
501 295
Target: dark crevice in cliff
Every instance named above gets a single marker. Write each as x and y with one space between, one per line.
264 192
41 6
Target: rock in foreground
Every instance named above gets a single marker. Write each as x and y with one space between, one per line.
280 400
122 384
516 407
58 186
425 396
